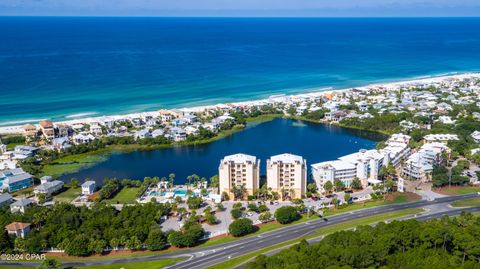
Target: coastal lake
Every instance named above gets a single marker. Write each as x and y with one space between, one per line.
315 142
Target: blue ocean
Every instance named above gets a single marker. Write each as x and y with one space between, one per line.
69 67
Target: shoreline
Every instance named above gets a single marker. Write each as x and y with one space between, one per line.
18 129
105 153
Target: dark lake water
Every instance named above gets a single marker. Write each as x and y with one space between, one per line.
315 142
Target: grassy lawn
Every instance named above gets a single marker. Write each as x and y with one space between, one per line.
74 163
467 202
262 118
396 199
68 195
323 231
125 196
458 190
134 265
263 228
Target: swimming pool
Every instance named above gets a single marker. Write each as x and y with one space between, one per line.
156 193
180 192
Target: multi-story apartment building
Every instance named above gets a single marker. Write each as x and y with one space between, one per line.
239 170
419 165
364 165
287 175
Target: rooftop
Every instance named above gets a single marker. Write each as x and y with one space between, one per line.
15 226
239 158
287 158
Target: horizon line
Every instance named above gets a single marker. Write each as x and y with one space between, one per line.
240 17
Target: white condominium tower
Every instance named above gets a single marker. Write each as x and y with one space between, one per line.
239 170
287 175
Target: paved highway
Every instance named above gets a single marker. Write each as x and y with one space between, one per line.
204 257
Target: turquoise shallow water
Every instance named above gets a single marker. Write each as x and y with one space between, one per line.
63 68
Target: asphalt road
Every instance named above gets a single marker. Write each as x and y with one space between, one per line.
204 257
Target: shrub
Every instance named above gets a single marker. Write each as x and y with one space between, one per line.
286 214
263 208
241 227
236 213
186 238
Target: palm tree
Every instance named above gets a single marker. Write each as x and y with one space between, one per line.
202 181
189 179
171 179
239 192
291 193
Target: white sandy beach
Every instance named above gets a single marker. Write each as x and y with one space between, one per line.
17 129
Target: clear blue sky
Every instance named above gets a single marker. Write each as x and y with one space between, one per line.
268 8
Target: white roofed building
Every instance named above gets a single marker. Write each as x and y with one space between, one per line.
287 175
239 170
331 171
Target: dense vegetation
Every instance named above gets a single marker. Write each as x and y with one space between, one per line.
442 243
81 231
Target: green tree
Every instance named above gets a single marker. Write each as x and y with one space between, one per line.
312 187
286 214
241 227
339 185
74 183
42 198
114 243
171 179
78 246
266 216
194 202
214 182
356 184
236 213
328 187
156 239
50 263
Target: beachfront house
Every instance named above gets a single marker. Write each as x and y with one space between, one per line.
15 179
287 175
21 205
166 115
63 130
88 187
48 188
47 128
29 131
18 229
96 129
239 170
